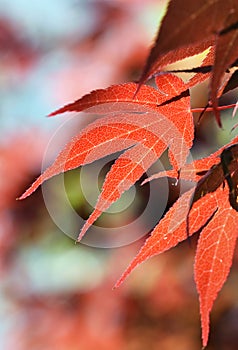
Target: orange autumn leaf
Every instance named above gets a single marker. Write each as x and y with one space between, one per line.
117 97
131 165
156 128
214 256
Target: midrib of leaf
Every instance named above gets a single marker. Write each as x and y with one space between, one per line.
221 232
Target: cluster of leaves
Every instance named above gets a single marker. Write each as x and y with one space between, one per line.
144 121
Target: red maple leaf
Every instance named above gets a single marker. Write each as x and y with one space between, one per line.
180 35
145 127
214 255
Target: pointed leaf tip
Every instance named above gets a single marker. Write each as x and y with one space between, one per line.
32 188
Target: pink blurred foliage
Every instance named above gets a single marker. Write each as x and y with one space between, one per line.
20 162
21 157
16 51
81 321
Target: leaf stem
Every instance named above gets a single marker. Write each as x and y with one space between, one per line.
210 109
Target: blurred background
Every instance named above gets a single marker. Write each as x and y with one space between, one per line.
55 294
